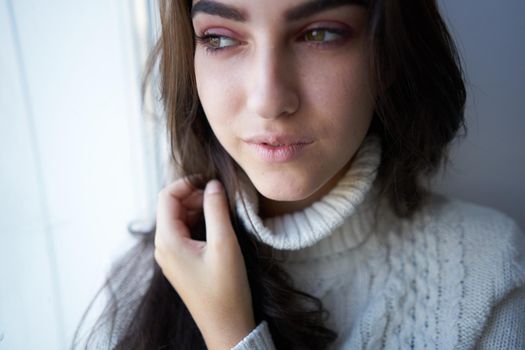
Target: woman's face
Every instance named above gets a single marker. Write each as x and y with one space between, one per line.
285 87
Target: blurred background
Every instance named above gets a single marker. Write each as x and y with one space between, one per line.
81 156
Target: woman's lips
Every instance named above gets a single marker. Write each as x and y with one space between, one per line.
279 152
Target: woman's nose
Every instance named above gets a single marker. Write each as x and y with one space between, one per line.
272 86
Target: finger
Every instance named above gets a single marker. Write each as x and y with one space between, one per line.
173 197
180 189
171 213
194 201
193 205
216 214
172 237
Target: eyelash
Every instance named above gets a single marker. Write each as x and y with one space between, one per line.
204 39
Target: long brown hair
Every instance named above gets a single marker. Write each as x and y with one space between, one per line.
419 110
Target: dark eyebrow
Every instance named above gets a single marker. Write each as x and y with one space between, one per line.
312 7
217 9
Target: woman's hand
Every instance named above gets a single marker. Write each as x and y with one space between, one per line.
210 276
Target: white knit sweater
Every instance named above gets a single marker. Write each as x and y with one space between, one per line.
451 277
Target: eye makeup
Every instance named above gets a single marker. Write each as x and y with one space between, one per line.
322 36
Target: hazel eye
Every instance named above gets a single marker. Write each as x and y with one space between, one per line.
220 42
322 35
215 42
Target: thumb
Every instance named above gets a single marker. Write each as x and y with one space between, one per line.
216 214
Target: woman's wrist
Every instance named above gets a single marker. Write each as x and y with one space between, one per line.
225 336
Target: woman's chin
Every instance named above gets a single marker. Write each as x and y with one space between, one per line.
284 193
283 197
293 192
279 199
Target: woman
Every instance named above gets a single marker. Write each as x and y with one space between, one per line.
312 125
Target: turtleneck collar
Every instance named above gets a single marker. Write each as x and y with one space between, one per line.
346 208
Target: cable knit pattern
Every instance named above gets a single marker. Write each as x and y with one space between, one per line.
450 277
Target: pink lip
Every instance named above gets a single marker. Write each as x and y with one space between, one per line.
281 139
278 148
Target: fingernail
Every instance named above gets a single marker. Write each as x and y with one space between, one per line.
214 186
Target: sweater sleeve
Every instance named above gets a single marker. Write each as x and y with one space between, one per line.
506 326
258 339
